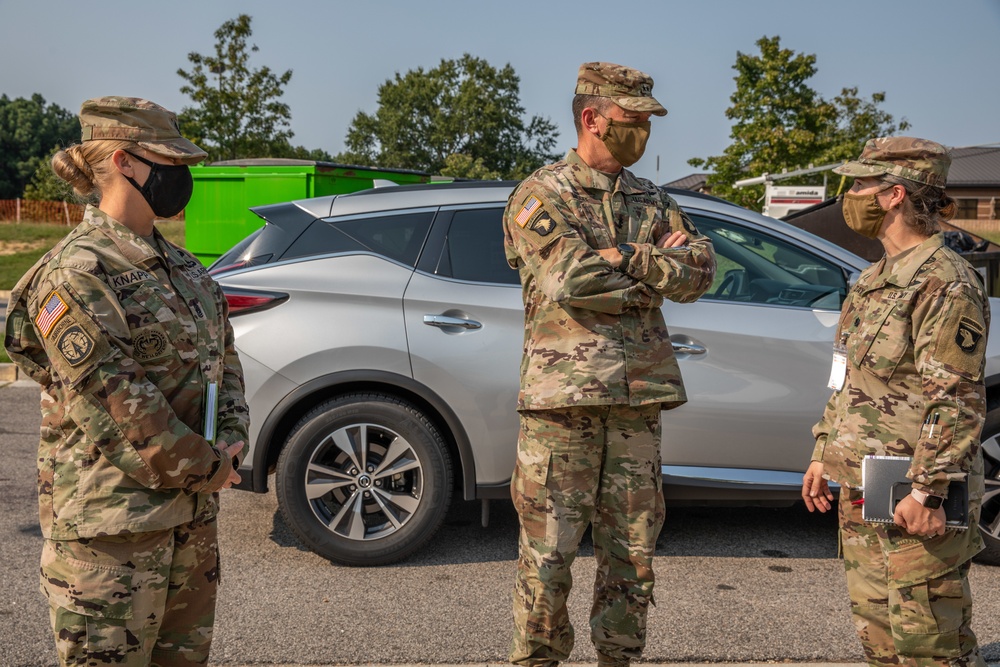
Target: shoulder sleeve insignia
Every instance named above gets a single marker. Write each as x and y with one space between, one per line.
50 313
529 209
75 345
543 226
968 335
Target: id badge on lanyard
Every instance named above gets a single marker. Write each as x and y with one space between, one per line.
838 370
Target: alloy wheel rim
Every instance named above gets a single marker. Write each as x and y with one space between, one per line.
364 482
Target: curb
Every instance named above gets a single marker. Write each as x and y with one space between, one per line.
4 295
10 373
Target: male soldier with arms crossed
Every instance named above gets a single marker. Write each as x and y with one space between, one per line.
598 250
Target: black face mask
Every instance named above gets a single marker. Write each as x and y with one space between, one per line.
168 188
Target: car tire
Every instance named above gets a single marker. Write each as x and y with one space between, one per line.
364 479
989 519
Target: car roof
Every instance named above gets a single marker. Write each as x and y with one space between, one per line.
434 194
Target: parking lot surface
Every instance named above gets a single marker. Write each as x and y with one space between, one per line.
734 585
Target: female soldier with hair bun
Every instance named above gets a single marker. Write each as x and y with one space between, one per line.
911 349
142 402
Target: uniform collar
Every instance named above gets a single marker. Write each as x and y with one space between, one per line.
592 179
132 246
906 268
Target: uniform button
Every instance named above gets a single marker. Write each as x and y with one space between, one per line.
857 321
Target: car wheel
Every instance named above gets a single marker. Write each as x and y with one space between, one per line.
364 479
989 519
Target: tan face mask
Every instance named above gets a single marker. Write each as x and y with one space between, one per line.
863 213
626 141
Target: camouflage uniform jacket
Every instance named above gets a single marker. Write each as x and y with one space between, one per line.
124 339
594 334
915 342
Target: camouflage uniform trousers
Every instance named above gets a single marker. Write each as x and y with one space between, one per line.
921 625
140 599
577 466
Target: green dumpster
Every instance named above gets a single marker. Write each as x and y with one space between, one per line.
218 215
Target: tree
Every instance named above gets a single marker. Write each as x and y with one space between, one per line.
237 111
463 116
46 186
780 123
30 130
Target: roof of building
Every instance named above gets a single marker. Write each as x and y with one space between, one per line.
693 182
975 166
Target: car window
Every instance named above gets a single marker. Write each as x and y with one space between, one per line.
759 268
396 236
473 249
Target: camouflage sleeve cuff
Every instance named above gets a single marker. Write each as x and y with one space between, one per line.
220 473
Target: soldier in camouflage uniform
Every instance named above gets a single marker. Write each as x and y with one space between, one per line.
598 250
127 335
913 334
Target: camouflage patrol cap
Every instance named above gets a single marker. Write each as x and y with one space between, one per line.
135 119
628 88
914 159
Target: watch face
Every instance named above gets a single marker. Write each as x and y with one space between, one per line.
932 502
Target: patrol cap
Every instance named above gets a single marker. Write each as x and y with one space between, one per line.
914 159
628 88
135 119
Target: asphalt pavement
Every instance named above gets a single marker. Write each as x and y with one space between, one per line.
734 586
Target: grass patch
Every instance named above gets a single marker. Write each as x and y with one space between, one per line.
173 230
29 241
4 359
12 267
29 232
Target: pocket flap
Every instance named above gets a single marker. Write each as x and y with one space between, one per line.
915 563
90 589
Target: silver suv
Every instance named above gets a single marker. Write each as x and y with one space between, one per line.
381 335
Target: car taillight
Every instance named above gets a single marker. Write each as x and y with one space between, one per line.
242 301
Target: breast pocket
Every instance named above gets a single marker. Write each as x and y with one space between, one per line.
154 325
881 337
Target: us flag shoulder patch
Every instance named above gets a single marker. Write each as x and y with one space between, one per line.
50 313
527 211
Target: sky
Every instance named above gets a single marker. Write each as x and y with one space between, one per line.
936 62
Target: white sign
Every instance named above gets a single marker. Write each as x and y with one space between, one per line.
780 200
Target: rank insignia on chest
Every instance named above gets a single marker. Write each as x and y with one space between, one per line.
529 209
50 313
968 335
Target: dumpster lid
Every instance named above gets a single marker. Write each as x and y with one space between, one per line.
289 162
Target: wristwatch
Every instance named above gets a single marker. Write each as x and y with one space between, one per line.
926 499
627 250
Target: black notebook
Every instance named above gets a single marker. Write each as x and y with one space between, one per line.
884 481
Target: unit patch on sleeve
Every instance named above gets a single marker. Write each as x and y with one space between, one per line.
50 313
75 344
968 335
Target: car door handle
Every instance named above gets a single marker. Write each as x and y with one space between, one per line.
687 348
444 321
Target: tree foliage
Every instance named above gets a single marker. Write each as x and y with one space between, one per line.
780 123
237 112
462 118
30 131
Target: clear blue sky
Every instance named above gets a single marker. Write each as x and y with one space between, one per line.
937 62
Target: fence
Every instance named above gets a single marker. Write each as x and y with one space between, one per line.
28 210
52 212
